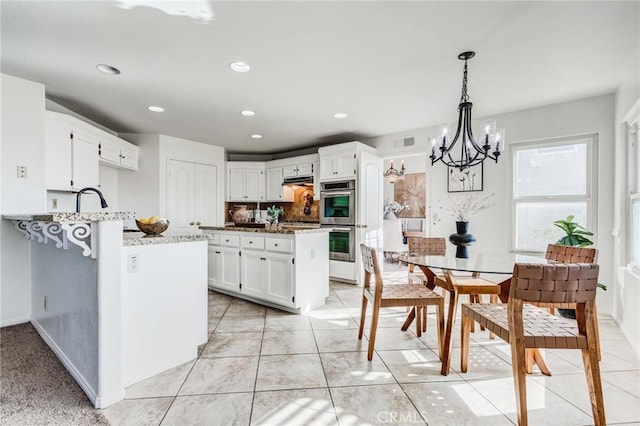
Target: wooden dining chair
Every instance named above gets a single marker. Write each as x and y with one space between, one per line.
394 295
424 245
569 254
526 326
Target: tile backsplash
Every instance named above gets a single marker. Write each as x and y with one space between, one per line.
303 208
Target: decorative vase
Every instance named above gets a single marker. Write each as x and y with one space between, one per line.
462 239
390 215
240 214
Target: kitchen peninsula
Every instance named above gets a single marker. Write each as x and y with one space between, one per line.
285 267
115 310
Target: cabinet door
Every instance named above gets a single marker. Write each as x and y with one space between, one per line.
109 150
129 156
206 182
84 161
274 184
254 185
181 196
253 273
305 169
279 279
316 181
237 178
229 267
326 168
344 166
290 171
214 262
57 137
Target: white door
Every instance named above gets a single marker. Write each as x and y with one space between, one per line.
274 184
85 161
290 171
181 196
206 182
213 265
254 185
304 169
279 277
253 268
344 166
229 268
237 178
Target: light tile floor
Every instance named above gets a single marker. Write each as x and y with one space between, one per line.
262 366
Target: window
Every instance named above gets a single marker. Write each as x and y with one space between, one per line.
552 179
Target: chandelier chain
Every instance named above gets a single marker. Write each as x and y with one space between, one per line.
464 97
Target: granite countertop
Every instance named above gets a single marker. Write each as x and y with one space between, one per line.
141 239
72 216
288 228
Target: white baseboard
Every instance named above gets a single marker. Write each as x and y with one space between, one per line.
15 320
86 387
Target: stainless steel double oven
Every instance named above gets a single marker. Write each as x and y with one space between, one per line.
338 211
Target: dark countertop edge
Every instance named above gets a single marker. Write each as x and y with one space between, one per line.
288 231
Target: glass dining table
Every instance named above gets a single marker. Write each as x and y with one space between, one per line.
477 263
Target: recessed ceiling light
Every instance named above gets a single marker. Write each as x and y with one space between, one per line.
247 113
239 66
108 69
256 136
340 115
154 108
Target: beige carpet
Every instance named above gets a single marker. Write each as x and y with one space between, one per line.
35 389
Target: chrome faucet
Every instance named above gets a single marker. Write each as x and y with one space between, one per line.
103 202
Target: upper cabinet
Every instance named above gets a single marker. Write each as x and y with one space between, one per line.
245 181
71 153
338 166
295 170
116 152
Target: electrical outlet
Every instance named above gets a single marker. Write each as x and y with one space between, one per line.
22 172
133 263
54 203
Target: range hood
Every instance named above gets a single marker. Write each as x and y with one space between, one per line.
298 180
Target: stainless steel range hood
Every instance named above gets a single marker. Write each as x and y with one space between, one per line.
298 180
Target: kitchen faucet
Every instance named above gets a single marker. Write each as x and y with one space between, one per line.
103 202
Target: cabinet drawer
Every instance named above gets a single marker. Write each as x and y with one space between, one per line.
215 240
283 245
253 242
230 240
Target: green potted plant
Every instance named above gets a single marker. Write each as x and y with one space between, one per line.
575 236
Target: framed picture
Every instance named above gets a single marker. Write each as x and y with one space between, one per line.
412 192
465 180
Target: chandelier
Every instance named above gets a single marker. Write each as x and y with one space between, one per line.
469 152
392 175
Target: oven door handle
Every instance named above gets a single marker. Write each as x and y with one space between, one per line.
325 193
342 229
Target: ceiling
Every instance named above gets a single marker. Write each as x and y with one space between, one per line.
391 66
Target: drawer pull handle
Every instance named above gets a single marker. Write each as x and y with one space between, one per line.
275 245
250 242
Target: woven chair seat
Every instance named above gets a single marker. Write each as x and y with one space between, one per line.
407 295
541 329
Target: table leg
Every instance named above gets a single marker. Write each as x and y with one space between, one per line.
446 359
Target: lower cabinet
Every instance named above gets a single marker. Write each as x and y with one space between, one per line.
268 276
290 272
224 267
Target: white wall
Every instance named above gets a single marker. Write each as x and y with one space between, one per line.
145 192
22 143
492 226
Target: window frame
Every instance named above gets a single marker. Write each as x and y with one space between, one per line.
633 187
590 197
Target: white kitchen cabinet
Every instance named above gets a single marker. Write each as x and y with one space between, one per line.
295 170
274 189
338 166
224 267
116 152
245 181
287 271
191 189
71 153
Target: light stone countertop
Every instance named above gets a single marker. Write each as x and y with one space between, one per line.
284 229
141 239
72 216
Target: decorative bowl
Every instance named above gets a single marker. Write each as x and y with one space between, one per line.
156 228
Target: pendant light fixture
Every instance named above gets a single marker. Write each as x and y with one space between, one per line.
393 175
468 152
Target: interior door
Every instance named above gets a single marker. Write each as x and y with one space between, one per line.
181 196
206 184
